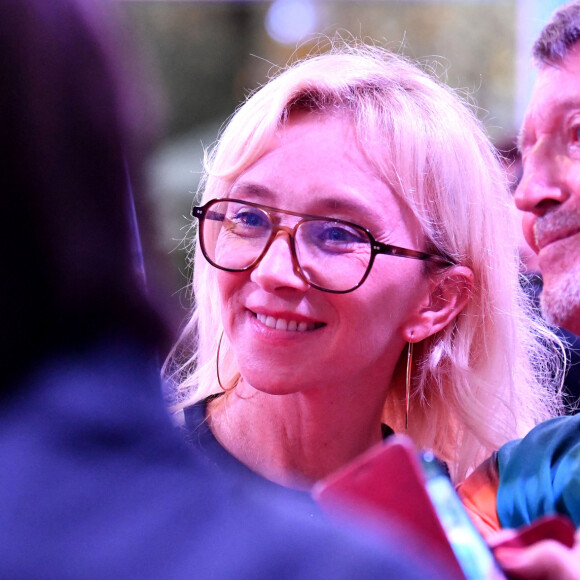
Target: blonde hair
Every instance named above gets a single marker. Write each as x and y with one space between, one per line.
489 376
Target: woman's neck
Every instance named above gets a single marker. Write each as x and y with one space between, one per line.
295 439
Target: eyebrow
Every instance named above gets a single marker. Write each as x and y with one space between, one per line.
568 103
250 188
558 109
329 203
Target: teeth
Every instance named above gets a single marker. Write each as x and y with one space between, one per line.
281 324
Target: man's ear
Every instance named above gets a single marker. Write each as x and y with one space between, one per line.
448 295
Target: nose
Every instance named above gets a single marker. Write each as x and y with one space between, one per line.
542 186
278 268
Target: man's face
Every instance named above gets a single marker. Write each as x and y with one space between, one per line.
550 187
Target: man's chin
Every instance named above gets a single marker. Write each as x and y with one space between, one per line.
560 301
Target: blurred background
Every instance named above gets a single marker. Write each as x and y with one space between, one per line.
209 54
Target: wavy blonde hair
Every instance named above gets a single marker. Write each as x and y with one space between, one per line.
490 375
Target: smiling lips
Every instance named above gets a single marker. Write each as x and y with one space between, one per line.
289 325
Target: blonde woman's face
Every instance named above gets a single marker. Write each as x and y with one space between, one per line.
288 336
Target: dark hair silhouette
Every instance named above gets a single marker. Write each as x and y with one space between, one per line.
68 138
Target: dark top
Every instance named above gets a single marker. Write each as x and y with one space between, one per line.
95 483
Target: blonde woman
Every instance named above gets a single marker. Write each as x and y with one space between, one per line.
355 272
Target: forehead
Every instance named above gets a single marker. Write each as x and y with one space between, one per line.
556 94
314 158
316 165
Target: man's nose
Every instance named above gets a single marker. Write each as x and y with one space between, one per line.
543 181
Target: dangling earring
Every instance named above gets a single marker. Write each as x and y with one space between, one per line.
408 382
217 367
217 361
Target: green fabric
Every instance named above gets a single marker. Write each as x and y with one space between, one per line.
540 474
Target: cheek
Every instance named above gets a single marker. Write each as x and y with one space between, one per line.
229 285
371 332
574 179
385 309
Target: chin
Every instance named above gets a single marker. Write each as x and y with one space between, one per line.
270 382
560 300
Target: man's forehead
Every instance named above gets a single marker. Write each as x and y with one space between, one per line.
556 95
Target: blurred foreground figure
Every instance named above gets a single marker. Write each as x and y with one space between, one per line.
95 482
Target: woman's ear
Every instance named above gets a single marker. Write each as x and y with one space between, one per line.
448 295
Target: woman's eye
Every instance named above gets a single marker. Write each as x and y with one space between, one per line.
340 234
329 233
251 218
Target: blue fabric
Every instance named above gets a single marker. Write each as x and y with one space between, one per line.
96 483
540 474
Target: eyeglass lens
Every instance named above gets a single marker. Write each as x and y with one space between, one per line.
332 255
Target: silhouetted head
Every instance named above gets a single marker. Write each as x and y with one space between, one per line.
71 129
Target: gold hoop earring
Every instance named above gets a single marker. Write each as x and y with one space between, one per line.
408 382
217 367
217 361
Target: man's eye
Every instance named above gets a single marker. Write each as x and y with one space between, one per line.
576 133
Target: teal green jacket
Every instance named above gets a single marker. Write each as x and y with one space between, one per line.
540 474
527 478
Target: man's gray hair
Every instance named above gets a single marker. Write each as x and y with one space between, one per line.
559 35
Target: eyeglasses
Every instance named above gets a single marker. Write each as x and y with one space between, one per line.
332 255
